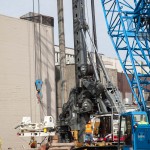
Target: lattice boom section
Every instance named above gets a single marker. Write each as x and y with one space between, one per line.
128 23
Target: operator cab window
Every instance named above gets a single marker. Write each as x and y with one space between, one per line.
140 119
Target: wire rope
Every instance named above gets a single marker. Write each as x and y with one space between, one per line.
88 21
40 39
34 49
40 65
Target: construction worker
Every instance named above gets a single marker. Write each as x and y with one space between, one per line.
88 134
33 143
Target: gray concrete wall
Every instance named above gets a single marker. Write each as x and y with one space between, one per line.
112 73
18 75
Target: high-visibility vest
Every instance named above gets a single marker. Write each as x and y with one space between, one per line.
88 128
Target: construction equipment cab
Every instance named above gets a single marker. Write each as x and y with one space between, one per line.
134 127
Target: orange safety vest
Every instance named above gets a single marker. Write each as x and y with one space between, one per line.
88 128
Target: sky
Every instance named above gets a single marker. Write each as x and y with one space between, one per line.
17 8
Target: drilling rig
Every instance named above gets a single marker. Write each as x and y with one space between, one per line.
90 97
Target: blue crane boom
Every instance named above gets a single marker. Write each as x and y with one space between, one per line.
128 23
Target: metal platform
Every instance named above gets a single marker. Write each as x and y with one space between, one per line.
36 134
29 129
111 147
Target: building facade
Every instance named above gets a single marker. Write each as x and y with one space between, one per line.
26 54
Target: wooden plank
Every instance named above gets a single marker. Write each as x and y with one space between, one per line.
58 146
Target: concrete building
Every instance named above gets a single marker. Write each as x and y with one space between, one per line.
69 56
26 54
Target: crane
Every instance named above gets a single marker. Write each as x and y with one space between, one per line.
128 25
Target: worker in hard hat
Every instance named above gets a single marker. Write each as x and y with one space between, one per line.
88 139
